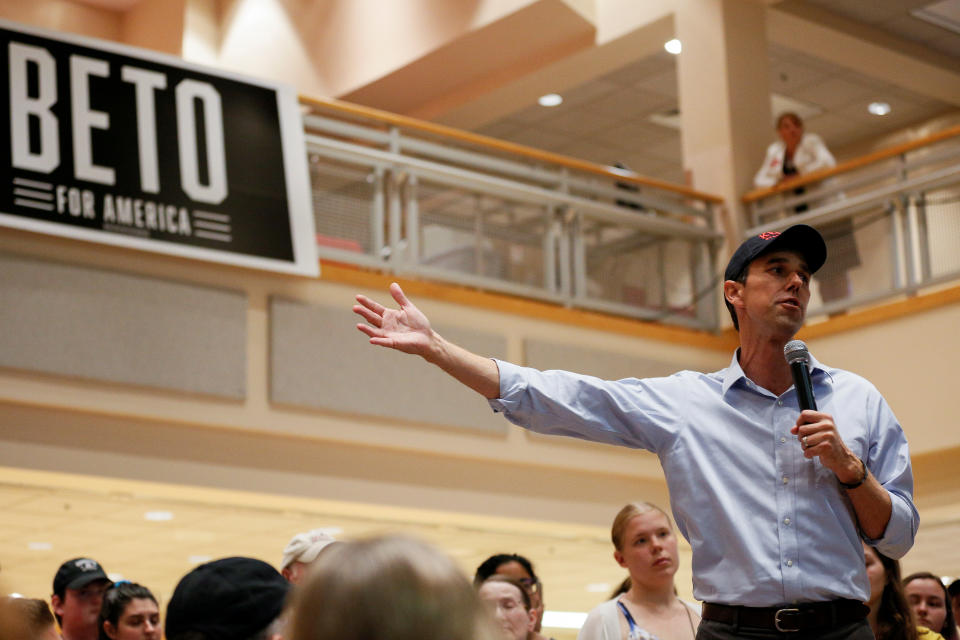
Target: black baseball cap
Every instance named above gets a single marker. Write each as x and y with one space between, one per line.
801 238
78 573
227 599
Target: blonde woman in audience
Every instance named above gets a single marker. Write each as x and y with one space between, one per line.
389 588
646 546
890 616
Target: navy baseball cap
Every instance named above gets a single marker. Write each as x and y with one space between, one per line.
801 238
78 573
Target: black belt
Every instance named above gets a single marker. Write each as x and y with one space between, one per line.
805 616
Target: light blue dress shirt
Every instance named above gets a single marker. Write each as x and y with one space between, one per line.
766 525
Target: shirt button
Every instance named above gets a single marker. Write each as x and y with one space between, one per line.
782 439
785 481
786 521
780 403
789 563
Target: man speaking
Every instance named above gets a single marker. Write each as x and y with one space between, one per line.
773 501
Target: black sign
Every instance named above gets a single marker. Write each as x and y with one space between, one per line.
119 145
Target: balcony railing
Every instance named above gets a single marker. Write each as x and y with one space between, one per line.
891 220
415 198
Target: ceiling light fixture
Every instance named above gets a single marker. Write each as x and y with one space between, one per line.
199 559
39 546
158 516
550 100
673 46
879 108
564 619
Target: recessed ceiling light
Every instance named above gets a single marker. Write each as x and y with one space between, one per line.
598 587
673 46
158 516
198 559
39 546
16 595
879 108
115 577
550 100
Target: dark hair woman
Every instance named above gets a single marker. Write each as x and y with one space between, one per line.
930 601
129 612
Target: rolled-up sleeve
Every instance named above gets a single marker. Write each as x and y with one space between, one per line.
634 413
889 462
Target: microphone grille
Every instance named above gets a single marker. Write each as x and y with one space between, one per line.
796 351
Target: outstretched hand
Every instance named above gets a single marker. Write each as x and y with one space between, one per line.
405 329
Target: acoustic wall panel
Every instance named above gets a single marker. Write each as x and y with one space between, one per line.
318 359
102 325
594 362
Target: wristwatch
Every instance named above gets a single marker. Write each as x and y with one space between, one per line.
859 481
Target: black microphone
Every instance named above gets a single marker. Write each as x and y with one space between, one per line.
798 357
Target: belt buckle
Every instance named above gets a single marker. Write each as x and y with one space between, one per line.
777 620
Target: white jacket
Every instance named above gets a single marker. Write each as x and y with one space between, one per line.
810 155
603 623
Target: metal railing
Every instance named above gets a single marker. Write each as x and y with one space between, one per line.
414 198
891 220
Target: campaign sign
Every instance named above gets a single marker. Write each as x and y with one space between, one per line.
119 145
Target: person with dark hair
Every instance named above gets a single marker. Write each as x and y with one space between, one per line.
930 601
773 500
78 590
521 569
129 612
228 599
26 619
797 153
387 588
889 617
954 591
645 545
509 601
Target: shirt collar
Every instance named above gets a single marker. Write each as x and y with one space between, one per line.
733 373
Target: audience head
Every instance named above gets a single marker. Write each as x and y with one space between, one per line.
645 544
930 601
302 550
26 619
228 599
509 601
78 590
790 129
129 612
894 620
520 569
389 588
954 591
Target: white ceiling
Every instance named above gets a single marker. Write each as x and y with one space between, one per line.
607 119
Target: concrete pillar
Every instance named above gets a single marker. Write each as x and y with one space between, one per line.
722 76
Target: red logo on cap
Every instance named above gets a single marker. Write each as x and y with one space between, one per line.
768 235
